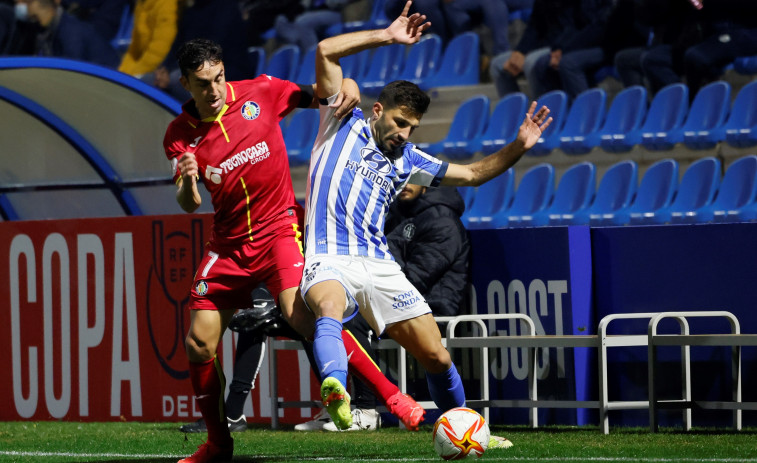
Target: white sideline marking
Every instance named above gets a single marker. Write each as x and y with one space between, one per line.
489 456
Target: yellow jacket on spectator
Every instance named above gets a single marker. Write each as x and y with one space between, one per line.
155 26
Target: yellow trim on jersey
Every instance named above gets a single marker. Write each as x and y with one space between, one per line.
249 218
190 123
233 96
298 237
217 118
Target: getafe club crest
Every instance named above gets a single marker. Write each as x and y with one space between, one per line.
250 110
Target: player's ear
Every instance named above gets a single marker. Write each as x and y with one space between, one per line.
184 82
378 110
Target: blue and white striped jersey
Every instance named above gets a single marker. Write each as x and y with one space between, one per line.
351 184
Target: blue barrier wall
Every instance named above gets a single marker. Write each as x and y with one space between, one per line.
568 278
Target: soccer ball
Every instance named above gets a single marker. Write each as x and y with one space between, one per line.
460 433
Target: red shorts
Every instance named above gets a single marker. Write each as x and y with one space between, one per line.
227 274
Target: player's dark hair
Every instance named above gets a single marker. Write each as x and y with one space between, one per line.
403 93
194 53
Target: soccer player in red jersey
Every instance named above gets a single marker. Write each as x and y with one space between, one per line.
228 137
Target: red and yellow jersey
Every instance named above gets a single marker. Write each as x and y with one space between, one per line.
241 156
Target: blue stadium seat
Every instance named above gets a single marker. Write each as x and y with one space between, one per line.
284 62
745 65
533 194
376 20
626 114
656 190
503 125
557 102
467 193
615 191
741 127
574 192
459 64
422 59
384 66
667 113
492 198
586 115
354 66
256 55
737 190
468 123
299 136
122 39
698 187
703 128
306 69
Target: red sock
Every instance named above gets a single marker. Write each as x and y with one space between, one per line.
209 383
363 366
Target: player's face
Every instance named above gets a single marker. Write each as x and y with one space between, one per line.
393 127
207 85
410 192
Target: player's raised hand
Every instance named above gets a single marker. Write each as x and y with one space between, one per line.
533 125
408 29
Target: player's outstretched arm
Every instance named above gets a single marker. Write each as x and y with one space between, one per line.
495 164
405 29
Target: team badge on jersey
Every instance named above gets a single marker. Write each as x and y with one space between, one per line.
201 288
250 110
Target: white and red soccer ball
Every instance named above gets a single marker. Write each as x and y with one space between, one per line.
460 433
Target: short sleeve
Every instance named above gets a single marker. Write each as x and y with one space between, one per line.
427 170
286 95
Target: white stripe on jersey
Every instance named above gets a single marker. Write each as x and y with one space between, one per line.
351 184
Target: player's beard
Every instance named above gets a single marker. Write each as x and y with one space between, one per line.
393 153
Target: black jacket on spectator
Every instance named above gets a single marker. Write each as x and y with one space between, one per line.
430 243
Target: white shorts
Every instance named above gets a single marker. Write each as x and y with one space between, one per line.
375 287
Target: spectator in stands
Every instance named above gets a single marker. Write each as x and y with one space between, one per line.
586 51
464 15
429 241
155 27
585 30
63 35
7 25
733 33
548 19
260 16
104 15
216 20
309 27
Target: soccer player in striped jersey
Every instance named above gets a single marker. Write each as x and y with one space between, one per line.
357 168
228 138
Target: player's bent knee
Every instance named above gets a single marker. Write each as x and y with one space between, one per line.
198 351
437 361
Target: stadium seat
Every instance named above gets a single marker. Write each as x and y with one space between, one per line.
283 62
492 198
741 127
745 65
698 187
422 59
737 189
533 194
468 193
299 136
354 66
459 64
306 69
376 20
557 102
384 66
503 125
122 39
625 115
615 191
468 123
703 128
667 113
574 192
256 55
586 115
656 190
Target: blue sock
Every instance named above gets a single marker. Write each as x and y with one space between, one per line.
446 389
328 349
